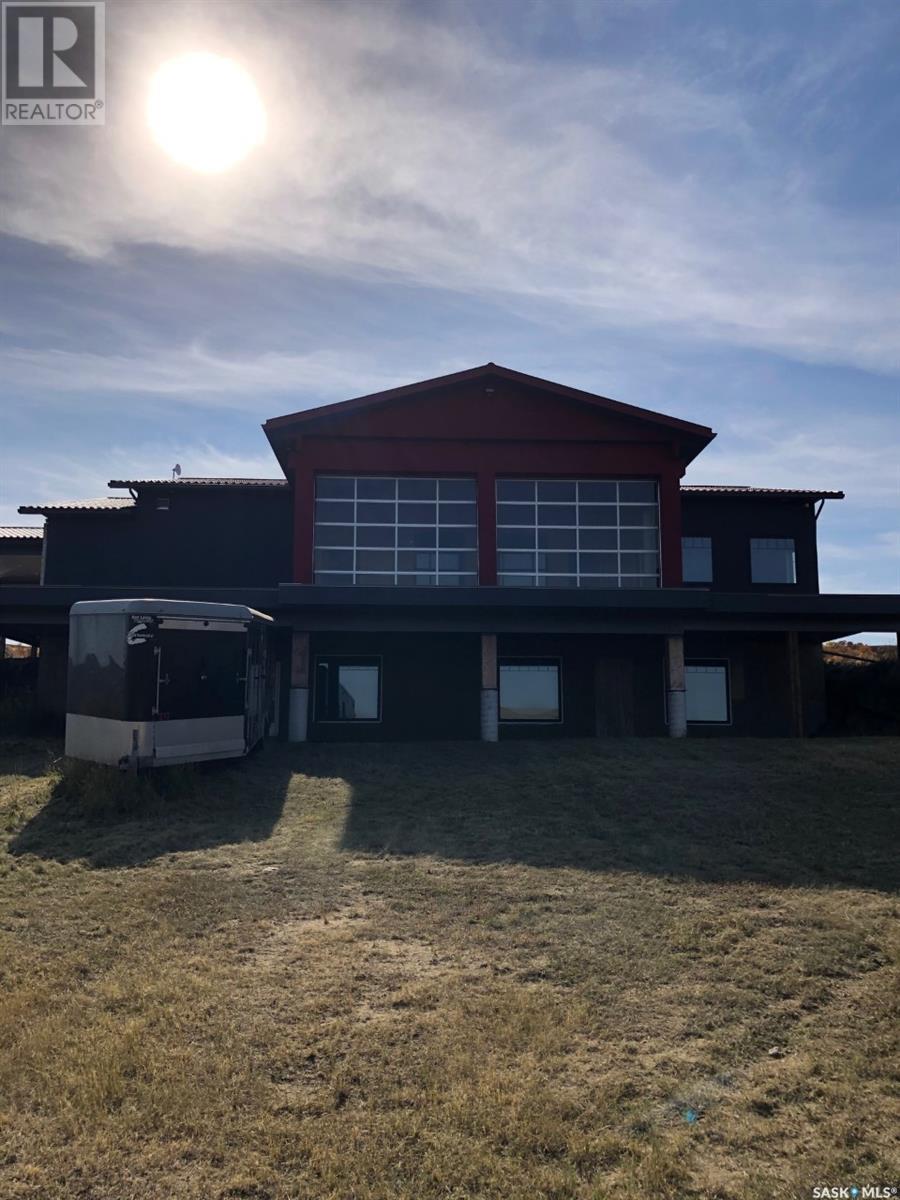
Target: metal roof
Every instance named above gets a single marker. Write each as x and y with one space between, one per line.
199 481
32 532
149 607
735 489
99 504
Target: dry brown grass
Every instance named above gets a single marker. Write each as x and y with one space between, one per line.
456 971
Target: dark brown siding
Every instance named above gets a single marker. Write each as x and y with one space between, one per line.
590 666
760 683
732 521
216 538
430 686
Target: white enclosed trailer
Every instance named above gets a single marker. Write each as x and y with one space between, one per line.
157 682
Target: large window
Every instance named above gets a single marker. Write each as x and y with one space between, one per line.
772 560
696 559
348 689
529 689
706 692
404 531
587 532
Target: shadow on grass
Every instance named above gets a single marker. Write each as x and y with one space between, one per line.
29 756
800 813
170 811
806 813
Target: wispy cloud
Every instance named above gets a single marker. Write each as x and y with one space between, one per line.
855 454
195 375
855 566
638 197
64 477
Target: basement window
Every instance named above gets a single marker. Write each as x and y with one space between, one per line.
707 694
348 689
773 560
696 560
530 690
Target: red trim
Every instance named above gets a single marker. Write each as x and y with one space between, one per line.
487 528
489 369
670 529
486 461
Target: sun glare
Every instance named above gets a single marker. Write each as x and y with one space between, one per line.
205 111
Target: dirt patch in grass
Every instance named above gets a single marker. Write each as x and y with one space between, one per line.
621 969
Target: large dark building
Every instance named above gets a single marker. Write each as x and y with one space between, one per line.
485 554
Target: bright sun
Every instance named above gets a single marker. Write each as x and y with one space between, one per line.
205 111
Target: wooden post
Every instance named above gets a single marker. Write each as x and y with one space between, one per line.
490 696
299 660
489 660
298 711
676 686
795 683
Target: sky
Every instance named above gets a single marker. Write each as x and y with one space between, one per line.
690 205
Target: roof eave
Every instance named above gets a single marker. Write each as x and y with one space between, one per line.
47 510
235 484
738 492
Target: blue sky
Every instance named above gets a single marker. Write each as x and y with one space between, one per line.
687 206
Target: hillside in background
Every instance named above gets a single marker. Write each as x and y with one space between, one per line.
862 687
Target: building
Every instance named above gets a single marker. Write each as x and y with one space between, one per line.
482 555
20 553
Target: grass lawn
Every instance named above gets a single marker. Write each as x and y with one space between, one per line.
631 969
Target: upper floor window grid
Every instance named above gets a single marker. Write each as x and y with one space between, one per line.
404 531
570 533
773 560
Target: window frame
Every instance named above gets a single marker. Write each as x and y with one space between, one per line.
347 660
712 570
712 662
538 661
433 577
620 579
774 582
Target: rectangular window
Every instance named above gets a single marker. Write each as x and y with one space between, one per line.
395 531
601 533
530 689
348 689
706 692
772 560
696 559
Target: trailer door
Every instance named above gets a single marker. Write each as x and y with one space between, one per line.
201 690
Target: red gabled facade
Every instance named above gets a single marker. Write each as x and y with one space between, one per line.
487 423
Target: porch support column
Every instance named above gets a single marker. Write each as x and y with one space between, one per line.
676 696
490 696
298 710
795 684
